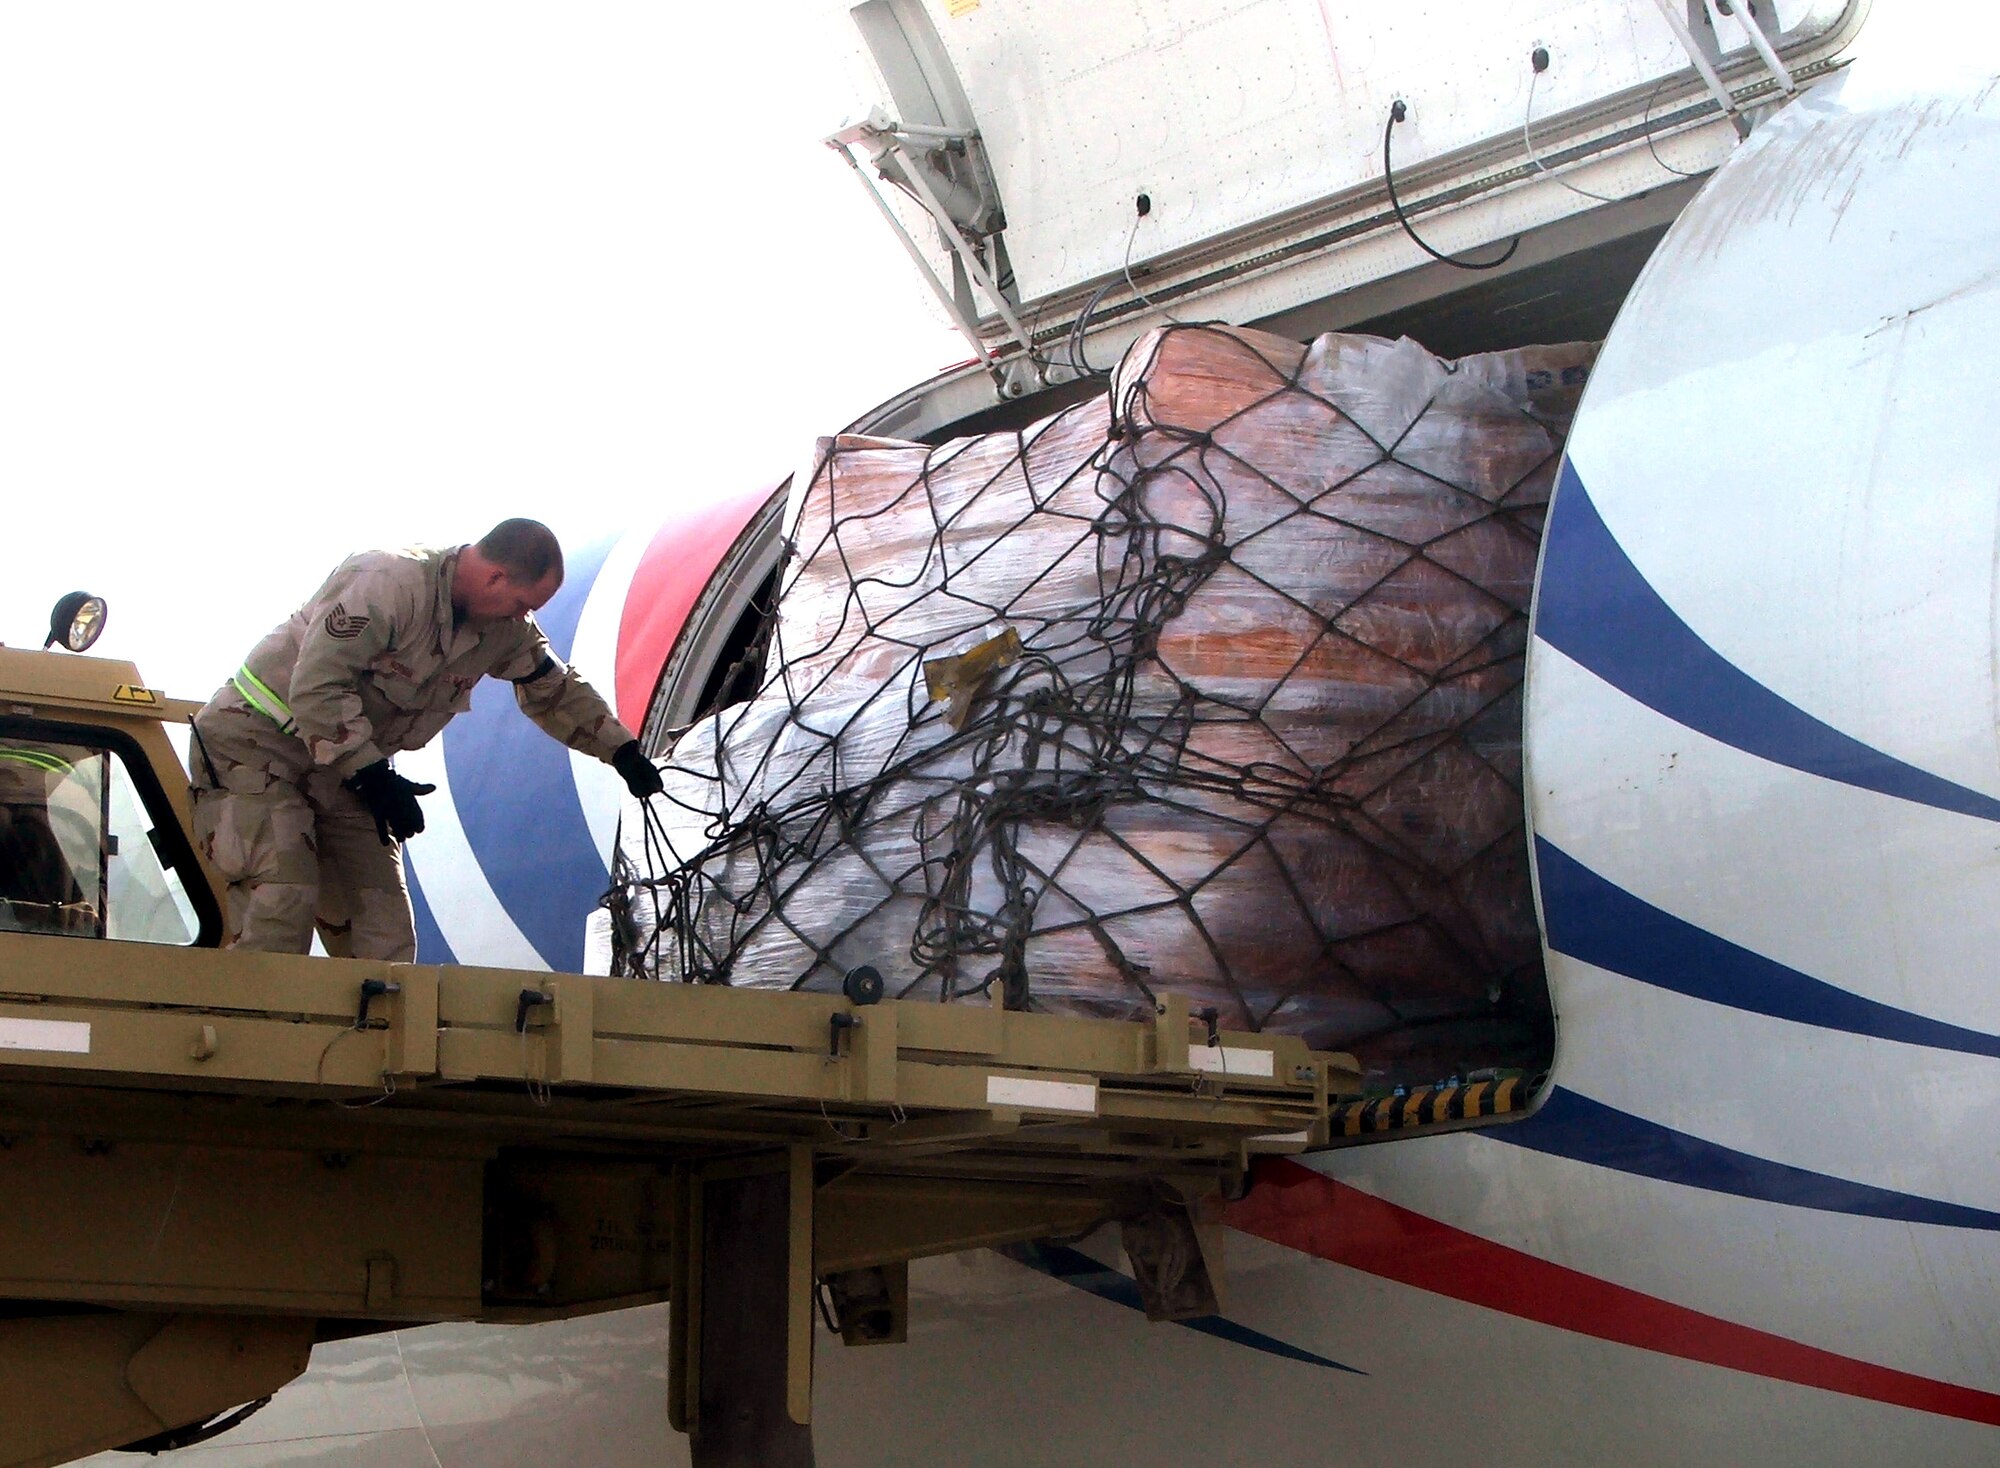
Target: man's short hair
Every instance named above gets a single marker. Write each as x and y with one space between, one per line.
527 550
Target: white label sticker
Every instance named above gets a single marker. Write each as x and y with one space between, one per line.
1235 1060
68 1036
1079 1096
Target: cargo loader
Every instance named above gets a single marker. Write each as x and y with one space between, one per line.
215 1159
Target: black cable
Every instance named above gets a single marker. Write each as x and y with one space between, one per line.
1131 237
201 744
1397 112
1079 358
1646 125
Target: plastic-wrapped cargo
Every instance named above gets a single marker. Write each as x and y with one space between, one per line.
1208 684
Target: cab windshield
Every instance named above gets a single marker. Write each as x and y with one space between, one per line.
79 854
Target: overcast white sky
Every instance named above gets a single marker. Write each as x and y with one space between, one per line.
280 281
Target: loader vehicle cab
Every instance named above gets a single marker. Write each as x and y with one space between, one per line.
93 804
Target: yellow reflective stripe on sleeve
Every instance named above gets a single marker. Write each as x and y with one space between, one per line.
38 759
259 696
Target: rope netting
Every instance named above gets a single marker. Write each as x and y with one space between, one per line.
1209 684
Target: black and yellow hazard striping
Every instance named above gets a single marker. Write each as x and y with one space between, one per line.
1422 1105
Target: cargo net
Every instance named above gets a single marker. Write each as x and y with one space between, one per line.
1209 684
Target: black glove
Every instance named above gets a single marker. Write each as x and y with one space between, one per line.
391 799
640 776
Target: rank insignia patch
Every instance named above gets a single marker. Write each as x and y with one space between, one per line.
340 624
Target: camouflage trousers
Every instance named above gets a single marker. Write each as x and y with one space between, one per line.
299 852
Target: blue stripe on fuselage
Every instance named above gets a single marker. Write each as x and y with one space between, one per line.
1074 1267
517 801
1593 604
1571 1125
431 944
1591 919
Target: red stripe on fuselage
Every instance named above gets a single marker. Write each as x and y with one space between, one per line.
1300 1209
669 579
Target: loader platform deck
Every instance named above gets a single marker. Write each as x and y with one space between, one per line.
363 1103
503 1057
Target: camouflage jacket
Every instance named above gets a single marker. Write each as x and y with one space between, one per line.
377 662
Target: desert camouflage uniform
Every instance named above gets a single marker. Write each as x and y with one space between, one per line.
374 664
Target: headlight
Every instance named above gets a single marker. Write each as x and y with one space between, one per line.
77 621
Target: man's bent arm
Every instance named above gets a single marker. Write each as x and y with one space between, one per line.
351 626
563 705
